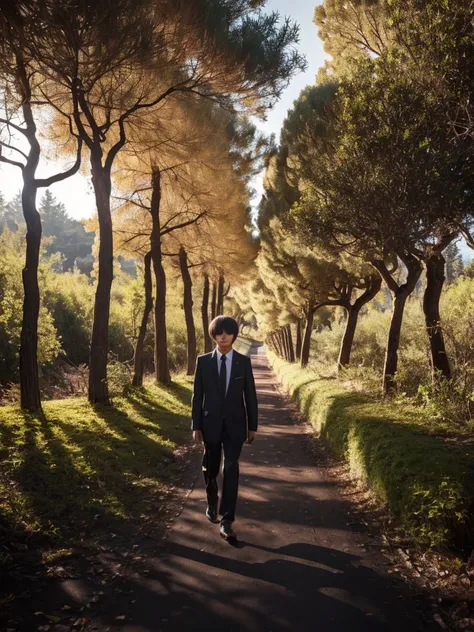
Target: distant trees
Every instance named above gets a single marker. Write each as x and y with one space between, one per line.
454 262
69 237
11 214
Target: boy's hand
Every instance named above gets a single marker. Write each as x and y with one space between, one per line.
251 436
197 436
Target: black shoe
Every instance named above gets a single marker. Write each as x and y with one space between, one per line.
211 513
227 532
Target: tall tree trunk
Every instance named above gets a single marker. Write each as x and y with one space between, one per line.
284 343
435 279
298 339
138 365
275 344
98 387
291 348
393 343
400 294
373 285
162 373
305 348
188 310
29 375
29 371
213 300
348 337
220 296
205 315
278 347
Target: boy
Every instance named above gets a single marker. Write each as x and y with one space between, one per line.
224 403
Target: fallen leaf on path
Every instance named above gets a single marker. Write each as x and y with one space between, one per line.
79 622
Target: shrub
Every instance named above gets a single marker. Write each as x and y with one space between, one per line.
11 307
118 378
70 299
452 401
448 401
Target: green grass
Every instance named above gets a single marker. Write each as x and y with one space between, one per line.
83 466
426 482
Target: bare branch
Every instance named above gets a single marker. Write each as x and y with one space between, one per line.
3 144
117 147
469 237
183 224
15 127
385 274
10 162
134 202
46 182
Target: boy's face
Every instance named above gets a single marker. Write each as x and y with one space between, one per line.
224 341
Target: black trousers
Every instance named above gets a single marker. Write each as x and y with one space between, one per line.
211 463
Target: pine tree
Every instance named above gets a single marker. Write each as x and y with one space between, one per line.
454 263
11 214
69 237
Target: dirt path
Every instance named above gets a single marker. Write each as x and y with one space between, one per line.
300 563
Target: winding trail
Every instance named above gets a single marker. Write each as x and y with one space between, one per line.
300 563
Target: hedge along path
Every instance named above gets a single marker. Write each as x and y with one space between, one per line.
300 563
426 482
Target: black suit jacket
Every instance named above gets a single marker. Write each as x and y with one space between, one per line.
239 407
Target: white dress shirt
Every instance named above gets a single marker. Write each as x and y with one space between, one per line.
228 365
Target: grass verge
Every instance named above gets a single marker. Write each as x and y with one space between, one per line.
83 466
426 482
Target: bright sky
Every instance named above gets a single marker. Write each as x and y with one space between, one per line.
77 193
300 11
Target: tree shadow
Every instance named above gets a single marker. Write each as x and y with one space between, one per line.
296 586
109 464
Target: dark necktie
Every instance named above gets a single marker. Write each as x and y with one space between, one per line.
223 376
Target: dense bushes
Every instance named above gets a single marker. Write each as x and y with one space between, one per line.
65 324
69 298
449 400
11 301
